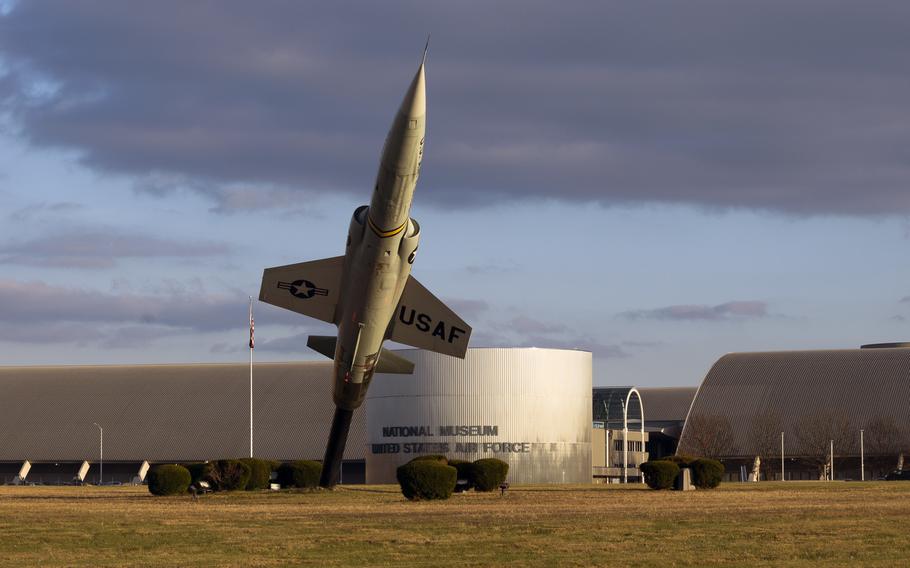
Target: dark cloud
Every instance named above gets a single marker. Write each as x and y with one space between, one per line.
41 304
98 248
905 299
801 107
51 333
131 336
721 312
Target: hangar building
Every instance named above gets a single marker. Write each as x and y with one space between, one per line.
790 408
531 407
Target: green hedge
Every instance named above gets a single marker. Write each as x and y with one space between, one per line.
682 460
706 473
489 474
660 474
169 479
301 473
426 479
432 457
260 473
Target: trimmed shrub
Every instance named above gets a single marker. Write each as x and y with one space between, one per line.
199 471
466 471
229 475
426 479
301 473
169 479
432 457
706 473
659 474
260 473
489 474
682 460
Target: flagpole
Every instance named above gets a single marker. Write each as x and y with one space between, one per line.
251 376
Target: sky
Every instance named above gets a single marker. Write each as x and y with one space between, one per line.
657 182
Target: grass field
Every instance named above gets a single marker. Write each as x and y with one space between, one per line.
767 524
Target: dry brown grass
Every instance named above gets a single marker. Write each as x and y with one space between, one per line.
769 524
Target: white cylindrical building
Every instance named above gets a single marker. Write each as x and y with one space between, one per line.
529 407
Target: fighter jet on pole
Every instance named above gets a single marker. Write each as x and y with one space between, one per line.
369 293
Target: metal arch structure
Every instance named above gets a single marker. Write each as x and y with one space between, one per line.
615 401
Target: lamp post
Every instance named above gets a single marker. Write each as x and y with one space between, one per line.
101 454
832 461
862 460
782 456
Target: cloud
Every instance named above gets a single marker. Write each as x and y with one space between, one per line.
96 248
51 333
31 211
524 331
721 312
598 349
467 308
905 299
131 336
500 267
525 325
643 344
291 344
799 108
192 309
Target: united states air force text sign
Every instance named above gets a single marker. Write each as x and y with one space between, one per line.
444 447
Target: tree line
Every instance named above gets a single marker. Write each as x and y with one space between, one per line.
885 440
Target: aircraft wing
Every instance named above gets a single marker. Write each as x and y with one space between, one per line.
423 321
309 288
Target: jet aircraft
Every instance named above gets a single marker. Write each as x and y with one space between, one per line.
368 292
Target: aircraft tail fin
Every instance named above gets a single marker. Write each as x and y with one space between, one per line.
422 320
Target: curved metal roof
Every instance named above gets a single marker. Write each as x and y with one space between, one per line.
169 412
856 385
667 404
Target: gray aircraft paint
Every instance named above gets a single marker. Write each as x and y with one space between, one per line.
369 293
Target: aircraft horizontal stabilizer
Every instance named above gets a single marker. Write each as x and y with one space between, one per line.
324 344
422 320
309 288
393 364
388 362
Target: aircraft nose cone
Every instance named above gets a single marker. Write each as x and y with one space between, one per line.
414 104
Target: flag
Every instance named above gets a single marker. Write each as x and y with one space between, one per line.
252 342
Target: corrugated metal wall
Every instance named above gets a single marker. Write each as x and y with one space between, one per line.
538 398
169 412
